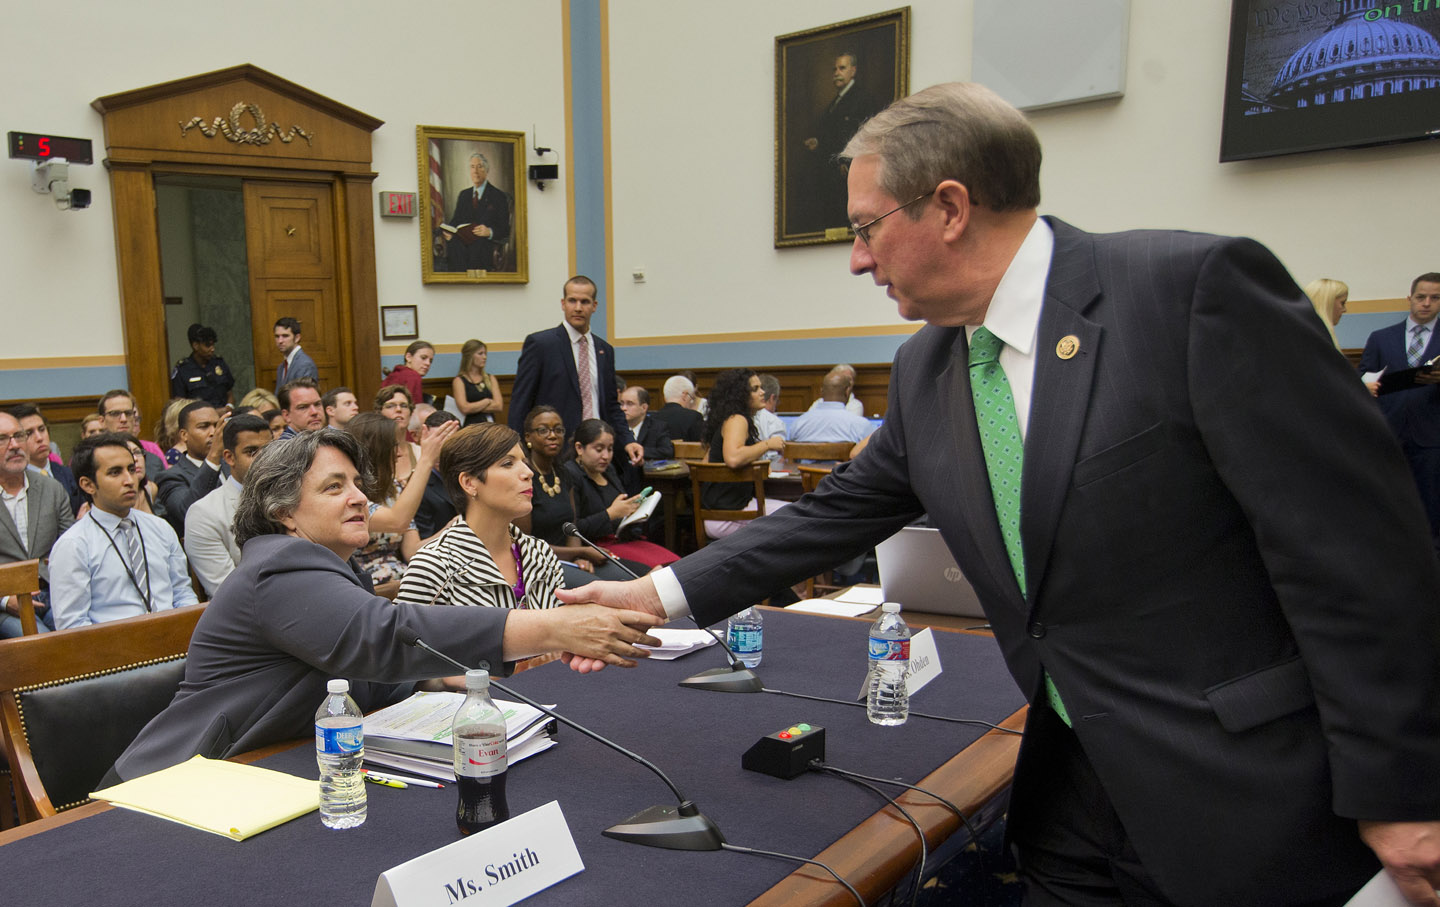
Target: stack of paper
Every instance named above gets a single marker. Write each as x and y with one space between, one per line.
224 798
852 602
677 642
414 735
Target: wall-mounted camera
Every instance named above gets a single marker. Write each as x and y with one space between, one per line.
53 178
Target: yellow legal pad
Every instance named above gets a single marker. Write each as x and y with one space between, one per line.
225 798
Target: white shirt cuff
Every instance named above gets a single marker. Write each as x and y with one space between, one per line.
672 597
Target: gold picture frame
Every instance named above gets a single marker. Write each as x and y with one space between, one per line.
467 237
816 113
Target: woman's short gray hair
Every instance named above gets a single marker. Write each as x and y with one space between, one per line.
274 482
954 131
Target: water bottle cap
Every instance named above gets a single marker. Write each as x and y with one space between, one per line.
891 607
477 680
337 686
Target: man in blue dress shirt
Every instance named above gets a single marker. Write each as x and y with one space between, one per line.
117 562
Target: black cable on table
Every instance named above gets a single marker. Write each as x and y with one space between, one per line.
785 856
913 713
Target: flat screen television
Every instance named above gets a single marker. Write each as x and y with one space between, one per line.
1305 75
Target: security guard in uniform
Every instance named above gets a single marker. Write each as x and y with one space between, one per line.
202 375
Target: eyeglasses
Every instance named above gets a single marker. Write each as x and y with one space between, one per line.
122 414
396 404
557 431
863 230
19 436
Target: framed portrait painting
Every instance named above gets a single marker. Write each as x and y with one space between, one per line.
829 80
472 206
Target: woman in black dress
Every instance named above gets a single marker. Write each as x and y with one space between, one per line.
730 428
475 391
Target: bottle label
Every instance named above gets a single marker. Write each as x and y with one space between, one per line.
339 740
745 640
889 649
480 756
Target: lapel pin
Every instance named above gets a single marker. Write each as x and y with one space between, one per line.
1068 346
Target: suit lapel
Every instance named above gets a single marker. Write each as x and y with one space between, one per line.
952 395
569 357
1060 398
32 516
8 525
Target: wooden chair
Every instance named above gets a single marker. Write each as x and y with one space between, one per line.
818 450
810 477
20 579
701 472
689 450
72 701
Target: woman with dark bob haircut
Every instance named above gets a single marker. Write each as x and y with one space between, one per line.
482 559
294 614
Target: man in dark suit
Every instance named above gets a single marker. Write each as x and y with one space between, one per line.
201 467
653 435
844 113
678 413
1414 413
296 363
1226 630
43 511
553 363
484 212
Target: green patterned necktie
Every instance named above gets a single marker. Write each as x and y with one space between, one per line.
1004 458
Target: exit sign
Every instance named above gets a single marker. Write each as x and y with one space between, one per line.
397 204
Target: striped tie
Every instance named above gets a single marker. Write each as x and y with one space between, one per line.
136 552
587 382
1417 345
1004 458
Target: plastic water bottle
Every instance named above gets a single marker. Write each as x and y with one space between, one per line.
339 749
480 757
888 702
745 635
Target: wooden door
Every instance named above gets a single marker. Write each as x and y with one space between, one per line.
290 243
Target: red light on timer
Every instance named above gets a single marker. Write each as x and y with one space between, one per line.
397 204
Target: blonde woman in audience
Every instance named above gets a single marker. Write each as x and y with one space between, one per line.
261 399
1329 297
483 559
93 424
393 502
167 430
475 391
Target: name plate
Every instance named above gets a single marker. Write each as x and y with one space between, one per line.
496 867
924 665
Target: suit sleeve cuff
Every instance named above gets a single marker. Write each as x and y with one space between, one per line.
672 597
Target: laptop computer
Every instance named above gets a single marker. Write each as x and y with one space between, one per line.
918 571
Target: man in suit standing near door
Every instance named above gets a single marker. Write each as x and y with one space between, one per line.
1414 413
571 369
296 363
1226 630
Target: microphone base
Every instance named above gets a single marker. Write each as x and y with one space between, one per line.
668 827
725 680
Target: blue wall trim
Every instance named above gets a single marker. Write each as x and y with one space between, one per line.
41 383
587 127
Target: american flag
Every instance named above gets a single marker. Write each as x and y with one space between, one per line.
437 200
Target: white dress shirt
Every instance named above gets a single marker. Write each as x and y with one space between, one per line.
90 581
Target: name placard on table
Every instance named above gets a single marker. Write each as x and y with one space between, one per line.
499 866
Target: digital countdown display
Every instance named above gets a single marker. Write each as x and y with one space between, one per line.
38 146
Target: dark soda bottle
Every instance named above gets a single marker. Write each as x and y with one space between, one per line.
480 757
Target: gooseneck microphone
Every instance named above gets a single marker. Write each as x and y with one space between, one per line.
733 679
677 828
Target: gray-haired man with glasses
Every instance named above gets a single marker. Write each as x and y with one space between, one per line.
34 511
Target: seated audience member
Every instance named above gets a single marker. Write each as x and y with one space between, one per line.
200 470
261 399
829 420
394 403
475 391
848 373
393 536
734 399
483 559
119 413
301 407
167 430
679 413
598 490
148 498
340 406
36 511
553 505
418 358
92 424
652 434
1329 297
202 375
37 447
767 424
209 536
117 562
276 420
435 510
416 426
258 664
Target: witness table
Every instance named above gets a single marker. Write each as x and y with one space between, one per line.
114 856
